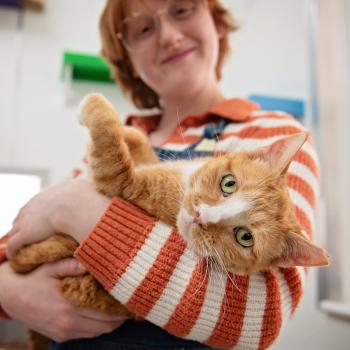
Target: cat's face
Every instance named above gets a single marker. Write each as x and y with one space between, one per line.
237 212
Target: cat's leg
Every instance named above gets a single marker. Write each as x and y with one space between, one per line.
56 247
110 161
85 291
139 146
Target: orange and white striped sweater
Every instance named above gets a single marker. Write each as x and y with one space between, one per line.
146 265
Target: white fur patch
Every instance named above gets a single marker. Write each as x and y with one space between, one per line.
184 222
226 210
188 169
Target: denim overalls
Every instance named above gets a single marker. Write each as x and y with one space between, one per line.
133 335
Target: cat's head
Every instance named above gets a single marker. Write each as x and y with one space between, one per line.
237 211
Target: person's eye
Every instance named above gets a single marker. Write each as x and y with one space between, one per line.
142 29
243 237
183 10
228 185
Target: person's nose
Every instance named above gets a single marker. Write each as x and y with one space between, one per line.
170 36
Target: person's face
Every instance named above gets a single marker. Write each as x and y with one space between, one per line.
179 54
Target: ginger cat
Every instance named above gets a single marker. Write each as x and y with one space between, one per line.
234 210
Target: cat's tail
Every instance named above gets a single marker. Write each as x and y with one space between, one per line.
109 159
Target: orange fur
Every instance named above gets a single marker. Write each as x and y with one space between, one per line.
123 163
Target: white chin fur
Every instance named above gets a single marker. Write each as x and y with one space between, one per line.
184 221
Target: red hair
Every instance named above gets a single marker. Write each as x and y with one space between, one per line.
114 52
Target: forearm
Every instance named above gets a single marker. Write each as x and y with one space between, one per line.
147 266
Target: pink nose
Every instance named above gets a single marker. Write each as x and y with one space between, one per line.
197 219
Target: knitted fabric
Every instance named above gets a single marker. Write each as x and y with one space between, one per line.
147 266
3 242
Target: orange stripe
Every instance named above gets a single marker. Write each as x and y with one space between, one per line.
301 186
184 139
272 115
273 312
133 227
304 158
229 326
304 221
259 132
293 279
189 307
152 287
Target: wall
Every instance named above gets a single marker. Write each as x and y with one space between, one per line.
39 130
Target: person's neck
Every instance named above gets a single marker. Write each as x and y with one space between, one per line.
176 109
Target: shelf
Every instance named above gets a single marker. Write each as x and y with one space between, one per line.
86 67
294 107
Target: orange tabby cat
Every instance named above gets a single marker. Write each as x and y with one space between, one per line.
233 210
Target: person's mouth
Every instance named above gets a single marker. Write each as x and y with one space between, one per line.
177 56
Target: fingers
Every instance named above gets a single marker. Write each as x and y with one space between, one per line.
65 267
14 243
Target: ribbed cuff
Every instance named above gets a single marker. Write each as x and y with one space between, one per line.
3 242
114 241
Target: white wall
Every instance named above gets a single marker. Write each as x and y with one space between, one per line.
37 129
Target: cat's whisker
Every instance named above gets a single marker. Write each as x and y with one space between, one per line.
223 266
202 282
168 157
182 135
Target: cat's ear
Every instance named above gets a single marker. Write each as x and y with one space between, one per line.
300 251
280 153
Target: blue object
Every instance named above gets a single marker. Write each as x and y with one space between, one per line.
294 107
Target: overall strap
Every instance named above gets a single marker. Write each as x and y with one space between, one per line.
202 148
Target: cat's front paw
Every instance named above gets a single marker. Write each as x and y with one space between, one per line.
95 108
87 107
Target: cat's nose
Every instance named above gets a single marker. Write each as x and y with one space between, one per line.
197 219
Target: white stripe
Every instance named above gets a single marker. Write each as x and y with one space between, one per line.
211 308
233 143
176 286
237 127
301 202
310 150
176 146
143 261
245 144
302 275
286 299
302 171
254 314
263 113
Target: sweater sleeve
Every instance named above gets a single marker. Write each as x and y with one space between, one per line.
3 241
147 266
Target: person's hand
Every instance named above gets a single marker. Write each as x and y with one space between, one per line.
34 299
72 207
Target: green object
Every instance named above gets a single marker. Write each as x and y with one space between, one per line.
87 67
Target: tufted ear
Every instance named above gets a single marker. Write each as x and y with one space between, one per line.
300 251
280 153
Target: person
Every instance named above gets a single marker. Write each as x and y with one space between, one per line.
167 55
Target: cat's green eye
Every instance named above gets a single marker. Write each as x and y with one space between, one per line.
244 237
228 185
